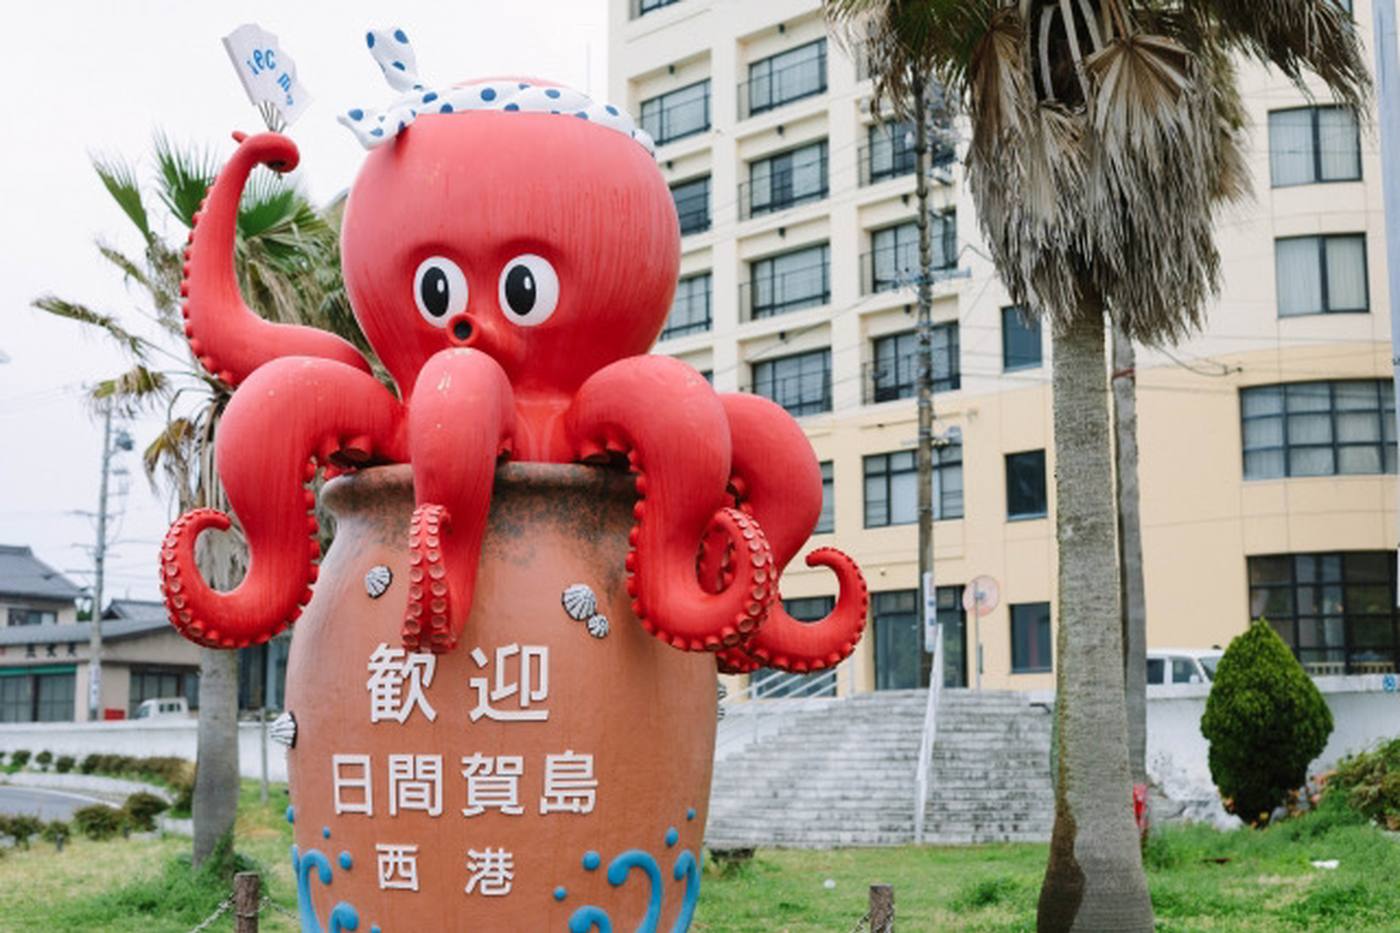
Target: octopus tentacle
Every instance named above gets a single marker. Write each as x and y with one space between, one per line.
229 339
678 445
777 479
461 420
288 415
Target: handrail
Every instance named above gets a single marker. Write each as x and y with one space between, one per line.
772 686
930 733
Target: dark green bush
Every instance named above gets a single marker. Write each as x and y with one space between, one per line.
57 832
63 764
1265 721
1370 784
19 757
99 821
44 759
22 828
141 809
89 764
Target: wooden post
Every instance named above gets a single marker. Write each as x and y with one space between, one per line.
881 908
245 902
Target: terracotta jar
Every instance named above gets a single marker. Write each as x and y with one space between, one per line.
551 773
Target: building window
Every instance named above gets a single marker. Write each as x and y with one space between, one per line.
1308 145
892 486
826 523
893 260
785 77
682 112
1030 639
708 375
1321 274
643 7
37 694
693 204
801 383
157 683
690 310
1319 429
786 179
1025 485
1335 610
25 616
889 151
789 282
1020 339
895 372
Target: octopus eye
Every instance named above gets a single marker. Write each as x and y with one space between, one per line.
440 290
529 290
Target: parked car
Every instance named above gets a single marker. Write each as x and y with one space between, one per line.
1182 665
163 708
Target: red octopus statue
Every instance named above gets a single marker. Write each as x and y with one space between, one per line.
511 270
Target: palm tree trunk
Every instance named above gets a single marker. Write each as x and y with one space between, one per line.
922 165
216 771
1131 588
1094 879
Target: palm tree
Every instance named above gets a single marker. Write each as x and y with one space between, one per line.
1106 136
287 261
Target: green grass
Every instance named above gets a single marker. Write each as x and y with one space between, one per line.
1201 879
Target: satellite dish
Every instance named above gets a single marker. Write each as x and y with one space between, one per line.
981 596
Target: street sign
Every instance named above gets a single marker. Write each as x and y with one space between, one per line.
930 613
981 596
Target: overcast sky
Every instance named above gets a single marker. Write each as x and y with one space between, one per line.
98 77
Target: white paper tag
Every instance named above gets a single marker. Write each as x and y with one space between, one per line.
268 74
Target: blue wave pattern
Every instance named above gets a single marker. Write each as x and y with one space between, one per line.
593 919
343 916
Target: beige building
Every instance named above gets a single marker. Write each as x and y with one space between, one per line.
1268 445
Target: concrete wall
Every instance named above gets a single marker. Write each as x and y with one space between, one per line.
1365 711
140 739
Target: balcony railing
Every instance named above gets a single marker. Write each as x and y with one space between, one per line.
669 122
783 85
891 268
890 380
798 394
784 292
681 329
643 7
777 191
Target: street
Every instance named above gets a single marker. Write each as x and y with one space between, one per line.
45 804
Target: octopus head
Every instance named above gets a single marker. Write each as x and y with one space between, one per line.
545 240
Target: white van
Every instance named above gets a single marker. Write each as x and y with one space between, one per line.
163 708
1182 665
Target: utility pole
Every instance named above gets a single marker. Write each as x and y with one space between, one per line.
99 558
923 166
1388 101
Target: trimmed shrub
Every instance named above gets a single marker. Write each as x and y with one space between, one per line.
98 821
64 763
1370 784
89 764
57 832
141 809
19 757
22 828
44 759
1265 721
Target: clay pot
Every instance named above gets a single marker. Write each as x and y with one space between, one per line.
645 712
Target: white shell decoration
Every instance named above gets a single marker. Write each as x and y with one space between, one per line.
598 626
283 730
377 580
580 603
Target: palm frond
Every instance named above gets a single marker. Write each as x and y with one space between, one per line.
131 271
119 178
183 177
1296 37
133 344
134 391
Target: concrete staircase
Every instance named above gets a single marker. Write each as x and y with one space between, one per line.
842 773
990 778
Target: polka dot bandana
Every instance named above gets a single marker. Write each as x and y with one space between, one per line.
394 55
